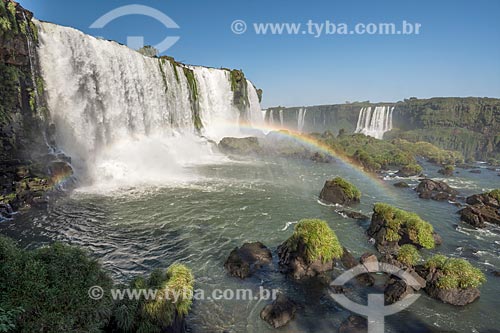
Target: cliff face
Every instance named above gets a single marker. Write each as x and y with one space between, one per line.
470 125
25 163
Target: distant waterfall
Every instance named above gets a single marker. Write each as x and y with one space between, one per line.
301 119
281 118
375 122
122 115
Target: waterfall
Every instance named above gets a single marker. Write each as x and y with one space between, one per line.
301 119
127 118
375 122
281 118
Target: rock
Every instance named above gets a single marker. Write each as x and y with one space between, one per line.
475 171
496 273
396 290
483 199
436 190
339 191
240 146
410 170
246 260
454 296
483 208
280 312
401 185
354 324
353 215
478 215
368 258
438 240
294 262
388 240
320 158
348 260
447 171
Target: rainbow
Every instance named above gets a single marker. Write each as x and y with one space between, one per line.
317 145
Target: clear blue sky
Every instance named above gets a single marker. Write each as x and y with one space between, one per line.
457 52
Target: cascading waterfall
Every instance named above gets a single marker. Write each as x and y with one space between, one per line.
281 117
127 118
375 122
301 119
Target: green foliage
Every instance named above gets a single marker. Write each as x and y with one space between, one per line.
239 88
399 221
495 194
456 272
173 293
181 281
148 51
350 190
51 284
429 152
412 169
319 240
408 255
193 93
8 319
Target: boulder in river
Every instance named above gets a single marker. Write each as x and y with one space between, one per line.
280 312
483 208
401 185
246 260
392 227
353 215
435 190
339 191
354 324
452 280
310 251
240 146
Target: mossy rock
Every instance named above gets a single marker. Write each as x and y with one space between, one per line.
240 146
453 280
410 170
311 250
393 227
408 255
339 191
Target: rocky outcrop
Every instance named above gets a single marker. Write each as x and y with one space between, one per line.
310 251
339 191
483 208
294 262
280 312
246 260
391 228
401 185
240 146
353 215
435 190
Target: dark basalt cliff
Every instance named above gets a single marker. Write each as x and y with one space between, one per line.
27 167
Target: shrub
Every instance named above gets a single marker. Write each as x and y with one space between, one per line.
350 190
51 285
153 315
399 221
408 255
457 273
319 240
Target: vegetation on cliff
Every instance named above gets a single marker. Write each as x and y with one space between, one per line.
456 272
399 222
319 240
